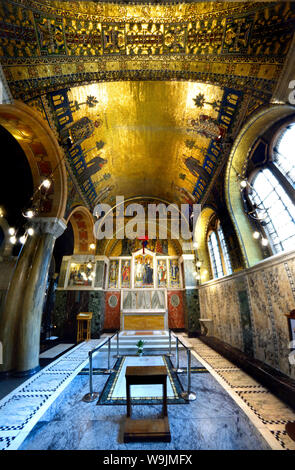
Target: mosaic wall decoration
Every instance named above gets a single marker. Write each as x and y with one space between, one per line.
143 271
76 33
113 274
80 275
162 273
46 48
125 273
174 275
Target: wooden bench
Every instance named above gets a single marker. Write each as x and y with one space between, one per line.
146 429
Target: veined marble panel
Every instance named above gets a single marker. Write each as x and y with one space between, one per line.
248 310
23 407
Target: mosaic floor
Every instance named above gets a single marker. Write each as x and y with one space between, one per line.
271 413
115 388
212 421
232 411
21 409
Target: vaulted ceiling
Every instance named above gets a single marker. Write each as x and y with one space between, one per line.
151 86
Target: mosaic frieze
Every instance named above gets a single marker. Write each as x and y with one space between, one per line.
17 32
83 38
50 35
266 33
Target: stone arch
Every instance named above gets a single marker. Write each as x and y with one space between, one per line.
181 245
245 140
82 222
42 151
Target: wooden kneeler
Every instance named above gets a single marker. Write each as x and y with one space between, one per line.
136 430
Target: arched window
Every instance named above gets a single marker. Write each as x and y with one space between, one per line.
219 256
283 157
215 257
273 192
224 250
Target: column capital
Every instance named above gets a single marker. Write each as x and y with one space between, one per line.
50 225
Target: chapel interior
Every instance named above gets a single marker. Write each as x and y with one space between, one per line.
106 106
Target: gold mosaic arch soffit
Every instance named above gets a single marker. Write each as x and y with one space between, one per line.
42 151
82 222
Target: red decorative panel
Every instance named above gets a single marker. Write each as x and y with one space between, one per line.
112 311
175 309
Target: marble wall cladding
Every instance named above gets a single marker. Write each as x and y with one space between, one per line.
175 310
216 303
248 310
191 297
112 310
67 306
96 305
275 285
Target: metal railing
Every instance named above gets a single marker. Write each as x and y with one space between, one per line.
188 395
91 396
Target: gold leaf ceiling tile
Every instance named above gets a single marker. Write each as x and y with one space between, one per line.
144 126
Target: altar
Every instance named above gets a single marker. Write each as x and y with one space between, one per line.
144 310
139 291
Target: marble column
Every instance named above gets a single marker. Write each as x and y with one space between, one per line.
191 296
20 321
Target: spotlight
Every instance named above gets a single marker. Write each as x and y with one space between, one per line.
11 231
92 246
199 264
256 235
89 265
46 183
243 183
29 214
1 212
22 240
30 231
12 240
196 245
264 241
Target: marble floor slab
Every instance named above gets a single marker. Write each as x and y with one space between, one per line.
269 414
212 421
22 408
231 411
55 351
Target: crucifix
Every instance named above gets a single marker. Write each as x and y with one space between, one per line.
144 241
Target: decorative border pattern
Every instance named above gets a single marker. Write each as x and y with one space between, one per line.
106 395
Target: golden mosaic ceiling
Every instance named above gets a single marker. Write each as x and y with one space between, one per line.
144 64
145 127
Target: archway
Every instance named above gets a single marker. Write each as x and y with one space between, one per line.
245 140
42 151
22 311
82 223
